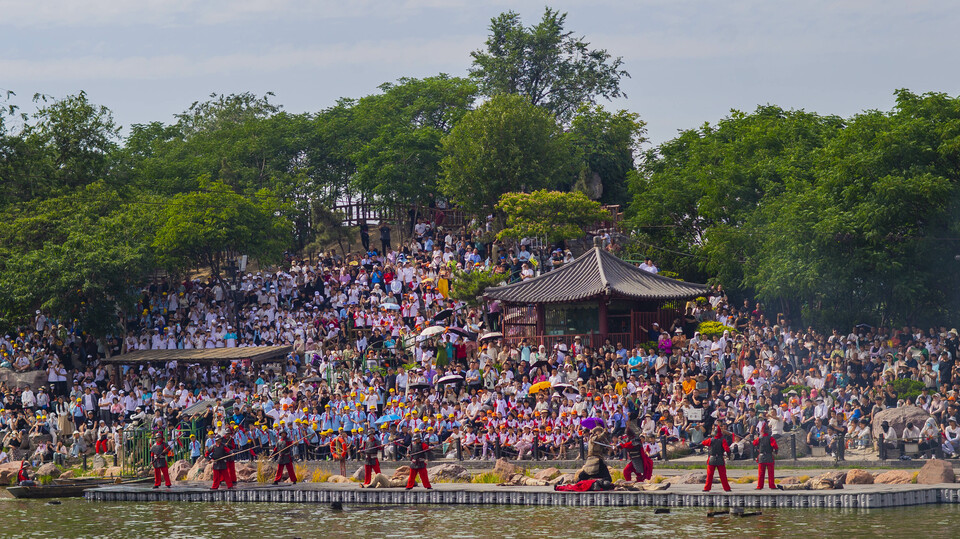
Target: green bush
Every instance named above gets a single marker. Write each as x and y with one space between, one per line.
906 388
799 388
709 329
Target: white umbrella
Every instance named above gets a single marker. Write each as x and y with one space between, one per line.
450 378
490 335
432 330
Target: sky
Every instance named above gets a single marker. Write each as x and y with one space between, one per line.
691 61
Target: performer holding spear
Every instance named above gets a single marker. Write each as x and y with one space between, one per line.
766 446
284 451
418 462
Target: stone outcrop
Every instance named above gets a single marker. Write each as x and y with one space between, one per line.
547 475
247 472
178 470
8 472
936 471
692 478
857 476
898 419
505 469
196 471
894 477
338 479
48 469
449 472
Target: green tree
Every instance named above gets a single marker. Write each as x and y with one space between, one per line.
400 163
211 227
80 257
468 287
545 63
609 143
552 214
506 144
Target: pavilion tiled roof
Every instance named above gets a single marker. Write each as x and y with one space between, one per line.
594 274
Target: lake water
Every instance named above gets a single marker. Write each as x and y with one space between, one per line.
79 518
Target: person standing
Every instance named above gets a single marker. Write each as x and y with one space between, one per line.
384 237
231 457
219 453
159 453
338 450
418 463
371 463
284 454
640 463
195 449
716 448
766 446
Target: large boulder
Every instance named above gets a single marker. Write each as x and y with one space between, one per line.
692 478
178 470
246 472
505 469
196 471
894 477
357 475
69 474
403 472
790 480
8 472
449 472
898 419
48 469
857 476
546 475
784 442
338 479
99 462
113 471
935 472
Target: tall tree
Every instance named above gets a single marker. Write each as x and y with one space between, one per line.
507 144
609 143
545 63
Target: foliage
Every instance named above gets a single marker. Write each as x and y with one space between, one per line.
552 214
828 219
469 286
80 257
507 144
609 143
710 329
216 225
906 388
487 477
545 63
799 388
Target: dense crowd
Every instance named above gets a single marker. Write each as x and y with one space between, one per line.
360 361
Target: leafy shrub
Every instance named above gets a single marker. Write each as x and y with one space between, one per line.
708 329
906 388
799 388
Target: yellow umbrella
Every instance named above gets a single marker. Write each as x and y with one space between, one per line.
539 386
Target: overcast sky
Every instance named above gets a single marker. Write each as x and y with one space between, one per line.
691 62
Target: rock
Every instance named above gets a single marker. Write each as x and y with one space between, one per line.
449 472
99 462
547 475
784 443
898 419
48 469
207 474
357 475
112 471
655 486
98 472
894 477
8 472
790 480
179 470
402 472
338 479
857 476
505 469
197 469
837 478
936 471
692 478
246 472
69 474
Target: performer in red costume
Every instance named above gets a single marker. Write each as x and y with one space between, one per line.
716 447
371 464
640 463
418 463
766 447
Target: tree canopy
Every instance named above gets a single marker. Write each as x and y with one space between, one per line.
545 63
554 215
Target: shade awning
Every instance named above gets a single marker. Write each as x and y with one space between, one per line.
202 355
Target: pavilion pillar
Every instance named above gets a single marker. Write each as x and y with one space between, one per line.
604 325
541 320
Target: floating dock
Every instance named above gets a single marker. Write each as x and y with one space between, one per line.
850 497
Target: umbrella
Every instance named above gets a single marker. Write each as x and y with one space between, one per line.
427 279
418 385
390 307
469 335
432 330
566 388
387 419
490 335
591 423
450 379
443 315
537 387
539 364
313 379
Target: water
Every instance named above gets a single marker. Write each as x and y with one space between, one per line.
79 518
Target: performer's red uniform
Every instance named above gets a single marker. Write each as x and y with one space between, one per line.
418 464
219 453
766 446
371 463
285 462
638 459
158 453
716 448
